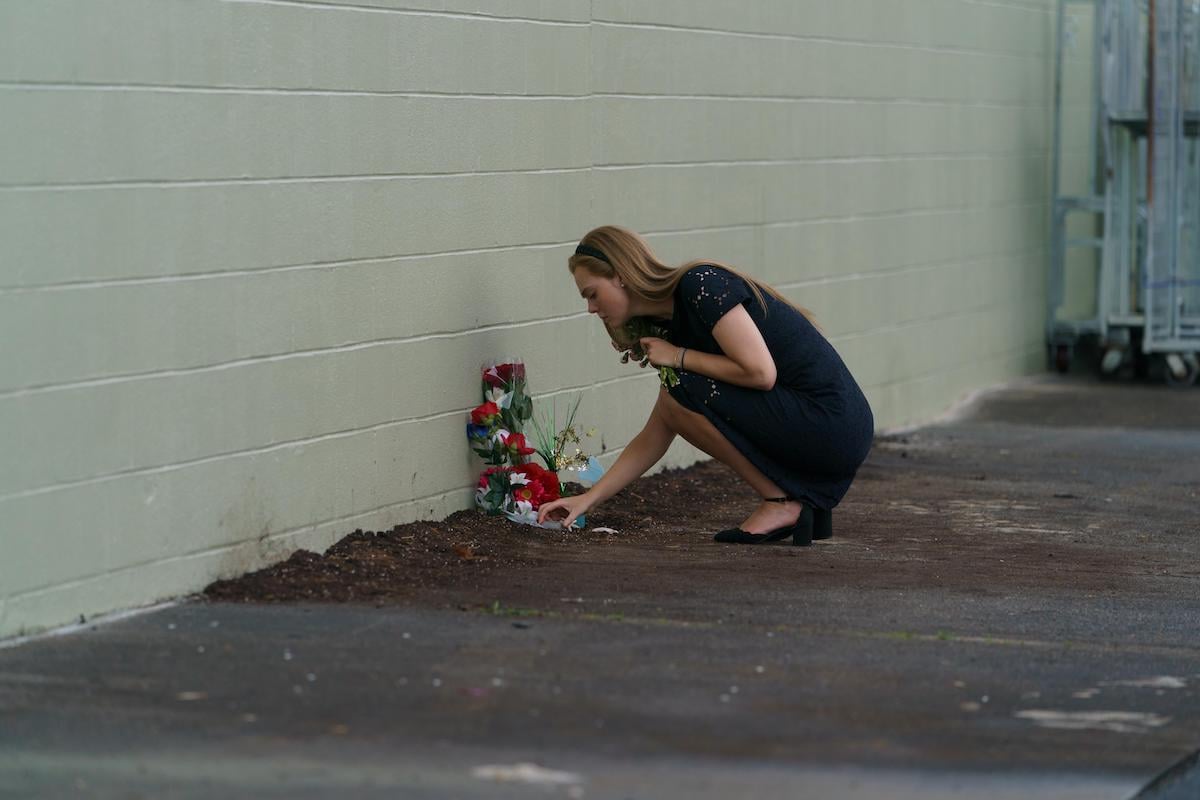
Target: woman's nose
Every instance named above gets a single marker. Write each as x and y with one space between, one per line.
591 306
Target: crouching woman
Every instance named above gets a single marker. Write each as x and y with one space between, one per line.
760 388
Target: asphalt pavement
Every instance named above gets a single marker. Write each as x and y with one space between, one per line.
1010 607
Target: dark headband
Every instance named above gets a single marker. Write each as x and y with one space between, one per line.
586 250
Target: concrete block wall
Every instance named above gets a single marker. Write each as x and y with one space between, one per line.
252 252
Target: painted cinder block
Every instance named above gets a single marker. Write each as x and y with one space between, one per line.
279 237
271 494
60 235
144 327
85 136
163 419
297 46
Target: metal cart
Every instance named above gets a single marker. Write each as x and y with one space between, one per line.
1126 236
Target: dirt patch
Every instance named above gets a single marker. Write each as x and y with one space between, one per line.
948 508
468 546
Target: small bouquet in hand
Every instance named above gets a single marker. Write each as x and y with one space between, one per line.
627 341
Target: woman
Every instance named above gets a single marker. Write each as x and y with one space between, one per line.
760 389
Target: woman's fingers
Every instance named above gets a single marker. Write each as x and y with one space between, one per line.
651 350
563 510
573 513
544 510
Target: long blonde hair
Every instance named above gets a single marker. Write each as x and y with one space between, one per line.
634 263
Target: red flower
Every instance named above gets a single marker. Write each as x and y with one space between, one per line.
485 414
549 481
545 478
515 444
502 374
507 372
529 492
483 478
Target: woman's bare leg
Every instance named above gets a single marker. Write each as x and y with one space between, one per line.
701 433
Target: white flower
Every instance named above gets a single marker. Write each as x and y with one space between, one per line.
501 436
524 507
498 396
518 478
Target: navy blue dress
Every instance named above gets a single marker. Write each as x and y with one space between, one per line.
811 432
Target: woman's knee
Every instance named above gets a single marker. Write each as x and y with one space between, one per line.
669 410
677 417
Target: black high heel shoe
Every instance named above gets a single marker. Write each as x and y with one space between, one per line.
822 523
801 532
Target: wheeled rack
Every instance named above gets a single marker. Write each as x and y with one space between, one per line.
1125 227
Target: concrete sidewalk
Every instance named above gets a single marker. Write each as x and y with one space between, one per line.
1010 608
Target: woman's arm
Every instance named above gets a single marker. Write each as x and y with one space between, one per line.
747 360
638 456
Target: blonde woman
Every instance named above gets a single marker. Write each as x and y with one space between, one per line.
760 389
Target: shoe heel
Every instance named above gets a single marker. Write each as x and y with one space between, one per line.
822 523
802 533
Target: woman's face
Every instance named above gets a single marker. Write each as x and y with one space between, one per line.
604 296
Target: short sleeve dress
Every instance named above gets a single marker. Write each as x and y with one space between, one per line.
809 433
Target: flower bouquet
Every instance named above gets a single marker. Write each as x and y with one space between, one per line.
627 341
517 492
512 485
551 445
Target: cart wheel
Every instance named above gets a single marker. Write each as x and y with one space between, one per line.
1182 369
1110 363
1062 358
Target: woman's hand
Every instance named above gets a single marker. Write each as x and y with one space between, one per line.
660 352
564 510
627 354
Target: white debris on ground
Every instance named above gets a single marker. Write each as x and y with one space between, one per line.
1114 721
525 773
1156 682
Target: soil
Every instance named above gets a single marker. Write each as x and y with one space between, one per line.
408 560
982 509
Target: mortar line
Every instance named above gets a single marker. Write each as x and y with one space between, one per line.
120 378
1027 154
286 356
189 88
302 442
816 39
415 12
889 100
225 548
747 226
274 537
374 177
